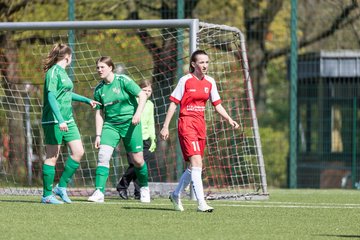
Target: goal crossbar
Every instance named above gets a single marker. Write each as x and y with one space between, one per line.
191 24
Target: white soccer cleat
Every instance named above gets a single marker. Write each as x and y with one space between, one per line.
145 195
97 197
176 201
204 208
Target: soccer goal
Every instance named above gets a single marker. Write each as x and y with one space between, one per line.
157 50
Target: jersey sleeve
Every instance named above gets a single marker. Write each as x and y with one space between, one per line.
54 107
80 98
178 92
130 85
214 94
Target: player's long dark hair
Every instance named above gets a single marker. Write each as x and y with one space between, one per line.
108 61
57 53
193 58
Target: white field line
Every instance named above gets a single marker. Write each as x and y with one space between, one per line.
242 204
293 206
296 203
247 204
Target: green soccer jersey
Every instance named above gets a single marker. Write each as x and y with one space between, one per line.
118 99
58 82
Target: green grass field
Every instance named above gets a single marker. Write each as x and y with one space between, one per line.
288 214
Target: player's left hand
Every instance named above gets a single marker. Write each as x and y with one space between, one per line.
233 124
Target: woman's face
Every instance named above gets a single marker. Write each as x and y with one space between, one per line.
68 59
147 90
201 64
103 70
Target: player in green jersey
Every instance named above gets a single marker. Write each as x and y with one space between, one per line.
149 145
58 123
118 118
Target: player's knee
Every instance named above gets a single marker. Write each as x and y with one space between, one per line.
196 161
138 159
78 154
51 161
105 153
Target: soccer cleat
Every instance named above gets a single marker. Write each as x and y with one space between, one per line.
51 199
145 195
204 208
137 195
176 201
61 192
123 194
97 197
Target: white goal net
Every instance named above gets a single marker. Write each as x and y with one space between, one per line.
157 50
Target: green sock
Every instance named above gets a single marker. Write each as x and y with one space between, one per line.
102 174
48 173
142 175
70 168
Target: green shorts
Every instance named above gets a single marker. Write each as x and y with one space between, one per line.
53 135
131 136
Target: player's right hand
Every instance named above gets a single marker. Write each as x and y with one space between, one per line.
164 133
97 142
63 127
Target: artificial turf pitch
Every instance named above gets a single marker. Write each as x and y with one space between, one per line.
288 214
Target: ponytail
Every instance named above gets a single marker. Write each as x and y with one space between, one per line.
57 53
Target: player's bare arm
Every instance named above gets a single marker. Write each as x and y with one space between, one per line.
221 110
164 133
99 121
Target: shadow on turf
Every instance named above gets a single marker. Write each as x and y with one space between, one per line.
339 235
20 201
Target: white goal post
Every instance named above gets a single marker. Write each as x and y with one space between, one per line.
158 50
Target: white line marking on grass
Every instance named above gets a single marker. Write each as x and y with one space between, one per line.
224 203
291 206
248 205
296 203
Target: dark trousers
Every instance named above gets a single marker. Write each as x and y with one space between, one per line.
130 175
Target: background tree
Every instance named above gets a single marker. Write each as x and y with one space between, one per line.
14 11
10 80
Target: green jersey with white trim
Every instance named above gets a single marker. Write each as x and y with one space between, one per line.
118 98
58 82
